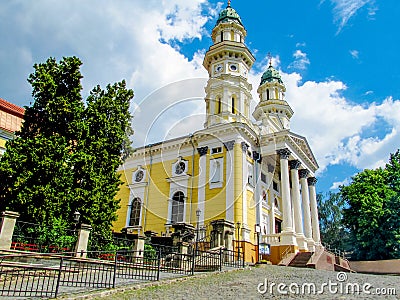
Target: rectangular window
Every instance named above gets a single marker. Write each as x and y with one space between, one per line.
216 150
275 186
263 177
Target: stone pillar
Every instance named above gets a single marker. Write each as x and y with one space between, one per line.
7 229
139 246
287 235
202 183
229 240
298 222
303 173
314 210
82 242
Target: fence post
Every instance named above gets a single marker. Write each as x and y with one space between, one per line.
115 268
139 248
58 277
82 242
220 259
7 229
193 260
159 264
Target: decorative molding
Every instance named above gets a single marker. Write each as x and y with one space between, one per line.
244 146
303 173
283 153
294 164
229 145
202 150
311 181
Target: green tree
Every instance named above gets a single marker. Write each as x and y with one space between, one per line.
371 214
66 155
333 231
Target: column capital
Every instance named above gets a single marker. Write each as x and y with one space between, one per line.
294 164
202 150
311 180
229 145
303 173
283 153
257 157
244 146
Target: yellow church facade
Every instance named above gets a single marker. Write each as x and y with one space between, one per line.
238 179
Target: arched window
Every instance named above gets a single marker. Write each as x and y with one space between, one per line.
267 94
178 204
222 36
134 217
233 105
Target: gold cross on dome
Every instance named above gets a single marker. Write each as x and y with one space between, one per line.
229 3
269 58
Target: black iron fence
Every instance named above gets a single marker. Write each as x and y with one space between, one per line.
47 275
234 259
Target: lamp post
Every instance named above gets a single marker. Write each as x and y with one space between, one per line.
258 230
238 239
198 212
77 217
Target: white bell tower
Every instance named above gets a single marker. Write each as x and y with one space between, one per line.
228 62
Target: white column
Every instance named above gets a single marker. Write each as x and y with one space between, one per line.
287 235
230 172
314 209
201 195
298 222
303 173
271 198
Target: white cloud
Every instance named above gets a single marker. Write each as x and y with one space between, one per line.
337 184
354 54
345 9
301 60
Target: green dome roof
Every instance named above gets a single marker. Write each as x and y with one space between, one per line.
271 75
229 14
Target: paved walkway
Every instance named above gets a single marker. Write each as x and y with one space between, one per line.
260 283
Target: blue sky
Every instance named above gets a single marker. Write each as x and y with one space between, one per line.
338 58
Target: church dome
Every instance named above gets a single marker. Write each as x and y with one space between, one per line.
271 75
229 15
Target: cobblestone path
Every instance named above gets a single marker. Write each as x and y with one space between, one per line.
247 284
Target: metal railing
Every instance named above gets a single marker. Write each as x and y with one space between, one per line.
48 275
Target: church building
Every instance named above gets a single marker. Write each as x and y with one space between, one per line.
244 177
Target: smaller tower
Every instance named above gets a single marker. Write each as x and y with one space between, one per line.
272 110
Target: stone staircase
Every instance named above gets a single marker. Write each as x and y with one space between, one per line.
300 260
321 259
